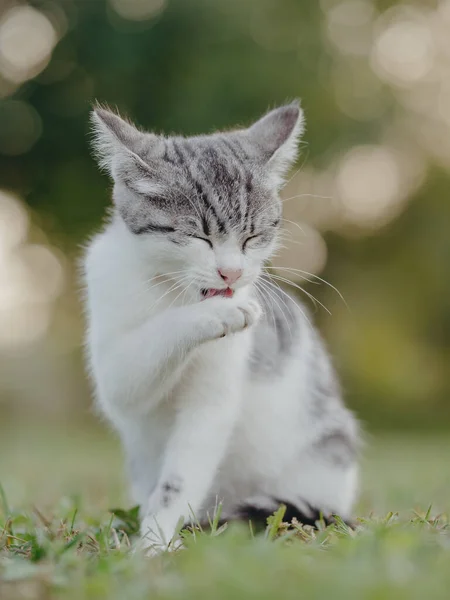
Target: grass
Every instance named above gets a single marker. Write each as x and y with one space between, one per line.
55 545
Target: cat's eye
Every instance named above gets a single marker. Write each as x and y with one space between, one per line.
249 239
198 237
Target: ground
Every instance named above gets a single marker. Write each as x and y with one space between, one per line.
58 538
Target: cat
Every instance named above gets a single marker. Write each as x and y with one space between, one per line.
220 388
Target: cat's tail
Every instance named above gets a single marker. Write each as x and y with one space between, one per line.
257 509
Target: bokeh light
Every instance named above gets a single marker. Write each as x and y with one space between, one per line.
137 10
20 127
369 185
31 278
27 39
13 223
358 91
404 51
349 26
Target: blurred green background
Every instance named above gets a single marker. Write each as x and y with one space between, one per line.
370 192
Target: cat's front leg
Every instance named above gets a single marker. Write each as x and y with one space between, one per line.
207 408
138 370
194 453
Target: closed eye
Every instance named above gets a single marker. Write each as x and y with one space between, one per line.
252 237
198 237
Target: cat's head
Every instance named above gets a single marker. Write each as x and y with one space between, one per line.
204 208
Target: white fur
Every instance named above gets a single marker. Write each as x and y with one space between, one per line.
180 396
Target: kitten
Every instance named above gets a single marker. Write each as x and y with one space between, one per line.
214 378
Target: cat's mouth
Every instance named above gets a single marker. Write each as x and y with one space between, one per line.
225 292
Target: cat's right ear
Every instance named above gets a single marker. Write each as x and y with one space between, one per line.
117 142
276 136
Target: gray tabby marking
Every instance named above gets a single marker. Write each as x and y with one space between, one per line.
276 334
339 447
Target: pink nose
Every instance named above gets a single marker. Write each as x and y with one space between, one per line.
230 276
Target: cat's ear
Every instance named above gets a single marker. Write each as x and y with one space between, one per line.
120 147
276 135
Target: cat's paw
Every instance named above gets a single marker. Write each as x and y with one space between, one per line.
153 540
152 549
227 317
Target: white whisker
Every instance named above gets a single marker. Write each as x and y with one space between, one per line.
307 196
313 298
261 291
301 143
275 299
173 288
269 278
274 285
316 277
178 295
294 223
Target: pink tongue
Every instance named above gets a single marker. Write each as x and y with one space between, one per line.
227 293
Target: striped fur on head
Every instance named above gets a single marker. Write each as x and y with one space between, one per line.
209 185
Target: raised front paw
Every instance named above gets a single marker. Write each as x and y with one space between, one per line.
226 316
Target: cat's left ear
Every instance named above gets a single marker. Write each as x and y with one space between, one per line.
113 137
129 155
277 135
